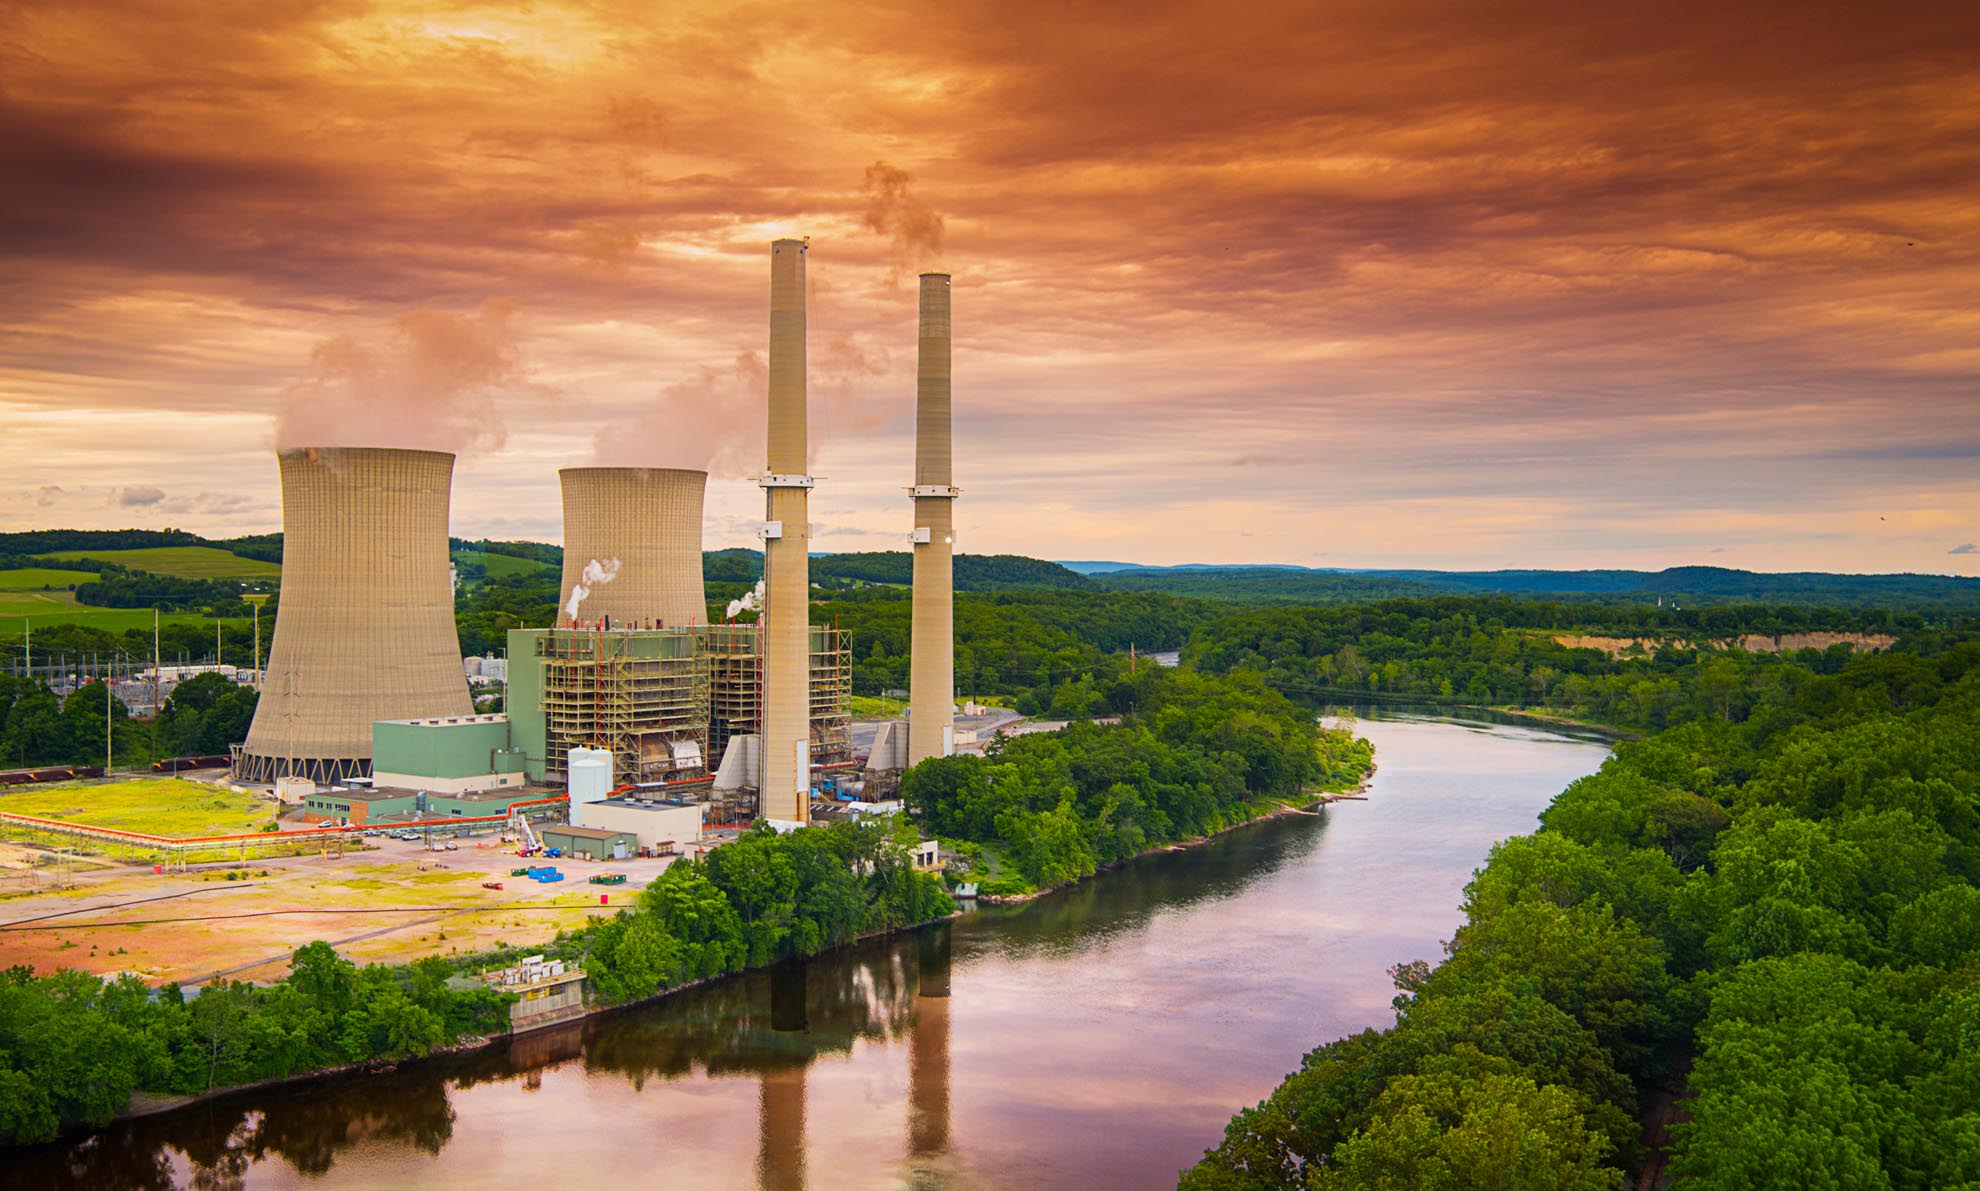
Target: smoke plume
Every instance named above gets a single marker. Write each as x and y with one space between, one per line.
431 384
751 601
595 574
711 422
895 211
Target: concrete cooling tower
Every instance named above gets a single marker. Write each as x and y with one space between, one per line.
638 532
365 627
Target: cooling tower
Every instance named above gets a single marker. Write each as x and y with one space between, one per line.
932 666
786 552
642 525
365 627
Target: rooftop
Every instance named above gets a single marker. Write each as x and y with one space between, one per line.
645 804
597 833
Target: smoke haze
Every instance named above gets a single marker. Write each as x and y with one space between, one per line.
895 211
710 422
431 384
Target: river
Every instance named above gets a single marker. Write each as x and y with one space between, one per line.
1095 1039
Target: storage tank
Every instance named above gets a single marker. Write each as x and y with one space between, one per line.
365 627
642 526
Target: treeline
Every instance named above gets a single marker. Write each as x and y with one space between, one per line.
1688 586
47 541
73 1047
201 717
758 899
1191 755
1785 896
119 588
973 572
1500 651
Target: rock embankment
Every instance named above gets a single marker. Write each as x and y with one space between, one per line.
1751 642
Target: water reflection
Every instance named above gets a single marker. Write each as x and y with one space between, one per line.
1095 1039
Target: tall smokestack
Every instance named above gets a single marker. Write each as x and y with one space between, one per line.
787 552
647 521
365 627
932 672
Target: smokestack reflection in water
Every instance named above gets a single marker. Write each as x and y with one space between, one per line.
928 1049
780 1106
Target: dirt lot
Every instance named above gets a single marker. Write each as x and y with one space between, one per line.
392 904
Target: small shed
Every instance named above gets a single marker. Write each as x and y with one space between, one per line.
594 842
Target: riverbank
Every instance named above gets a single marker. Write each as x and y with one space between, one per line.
1355 793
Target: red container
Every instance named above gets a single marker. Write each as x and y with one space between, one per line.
157 870
604 899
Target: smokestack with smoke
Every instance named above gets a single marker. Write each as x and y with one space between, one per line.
595 574
432 384
895 211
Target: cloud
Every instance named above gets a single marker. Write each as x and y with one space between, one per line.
432 383
44 496
141 496
1365 277
1964 548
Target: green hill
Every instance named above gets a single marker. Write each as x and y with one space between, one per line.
180 562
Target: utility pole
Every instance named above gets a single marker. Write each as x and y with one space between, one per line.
109 697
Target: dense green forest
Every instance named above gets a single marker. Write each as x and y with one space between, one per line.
201 717
1499 651
1191 755
1677 585
1779 891
74 1047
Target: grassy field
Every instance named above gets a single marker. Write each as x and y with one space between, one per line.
154 805
873 707
501 566
184 562
29 578
47 608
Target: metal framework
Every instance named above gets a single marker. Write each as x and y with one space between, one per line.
643 695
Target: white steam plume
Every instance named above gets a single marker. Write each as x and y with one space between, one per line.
595 574
752 601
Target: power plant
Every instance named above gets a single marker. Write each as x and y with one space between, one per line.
633 688
932 669
632 545
365 628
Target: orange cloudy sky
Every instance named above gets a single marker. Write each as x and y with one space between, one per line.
1350 284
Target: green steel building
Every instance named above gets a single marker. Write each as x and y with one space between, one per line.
447 755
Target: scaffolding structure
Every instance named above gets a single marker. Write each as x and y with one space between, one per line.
831 696
642 694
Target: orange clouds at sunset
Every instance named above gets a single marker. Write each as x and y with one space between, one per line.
1420 284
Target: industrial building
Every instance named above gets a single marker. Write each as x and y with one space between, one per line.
592 843
365 627
666 703
449 755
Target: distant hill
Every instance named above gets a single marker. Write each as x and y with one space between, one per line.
974 572
1695 585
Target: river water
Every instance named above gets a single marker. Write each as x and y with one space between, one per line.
1094 1039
